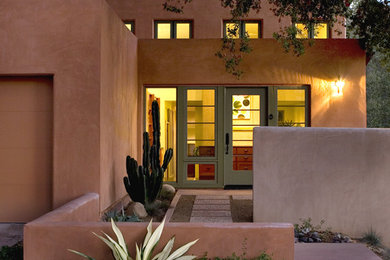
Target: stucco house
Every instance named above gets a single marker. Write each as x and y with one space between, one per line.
77 79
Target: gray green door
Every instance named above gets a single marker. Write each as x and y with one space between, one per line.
245 108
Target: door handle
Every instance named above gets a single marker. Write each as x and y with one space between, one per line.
227 142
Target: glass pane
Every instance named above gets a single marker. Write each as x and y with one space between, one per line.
167 100
163 30
321 31
291 107
183 30
129 26
201 123
197 172
200 132
232 30
201 149
243 135
200 97
245 116
303 32
196 114
252 29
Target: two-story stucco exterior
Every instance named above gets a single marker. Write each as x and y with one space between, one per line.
76 84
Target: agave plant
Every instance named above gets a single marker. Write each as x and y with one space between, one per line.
145 251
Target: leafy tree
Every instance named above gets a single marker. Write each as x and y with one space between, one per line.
369 21
378 93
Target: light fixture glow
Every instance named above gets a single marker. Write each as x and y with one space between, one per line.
337 88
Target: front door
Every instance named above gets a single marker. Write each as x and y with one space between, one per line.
245 108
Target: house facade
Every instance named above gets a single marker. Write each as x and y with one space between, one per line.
77 79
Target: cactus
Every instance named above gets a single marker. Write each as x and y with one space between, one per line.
143 183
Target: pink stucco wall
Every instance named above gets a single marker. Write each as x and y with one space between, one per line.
50 236
335 174
118 109
92 58
192 62
208 17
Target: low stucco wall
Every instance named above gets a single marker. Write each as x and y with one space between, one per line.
339 175
50 236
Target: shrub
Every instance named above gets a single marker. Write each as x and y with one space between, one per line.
372 238
14 252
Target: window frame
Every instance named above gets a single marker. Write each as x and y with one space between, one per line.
307 90
132 22
173 24
242 27
311 30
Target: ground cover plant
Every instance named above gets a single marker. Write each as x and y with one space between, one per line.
307 232
14 252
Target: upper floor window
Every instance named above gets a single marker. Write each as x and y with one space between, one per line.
314 31
237 30
130 25
173 29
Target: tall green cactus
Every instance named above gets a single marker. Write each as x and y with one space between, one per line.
143 183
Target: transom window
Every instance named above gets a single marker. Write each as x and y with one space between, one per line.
314 31
173 29
130 25
237 30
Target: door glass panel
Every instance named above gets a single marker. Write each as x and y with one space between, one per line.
196 172
201 123
291 107
245 116
166 97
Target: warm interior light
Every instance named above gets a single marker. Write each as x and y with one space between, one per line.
337 88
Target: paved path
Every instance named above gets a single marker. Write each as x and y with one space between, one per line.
333 251
211 208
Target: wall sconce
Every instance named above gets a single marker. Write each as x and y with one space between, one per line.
337 88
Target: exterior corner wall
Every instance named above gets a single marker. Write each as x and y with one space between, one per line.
62 40
339 175
119 105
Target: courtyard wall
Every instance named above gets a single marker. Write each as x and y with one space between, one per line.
339 175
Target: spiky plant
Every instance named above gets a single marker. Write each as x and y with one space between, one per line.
143 182
145 251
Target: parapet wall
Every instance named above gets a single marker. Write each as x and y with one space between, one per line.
50 236
339 175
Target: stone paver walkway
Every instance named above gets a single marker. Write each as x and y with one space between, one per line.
211 208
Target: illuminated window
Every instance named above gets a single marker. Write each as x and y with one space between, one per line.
173 30
303 32
237 30
316 31
166 97
320 31
292 107
130 25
